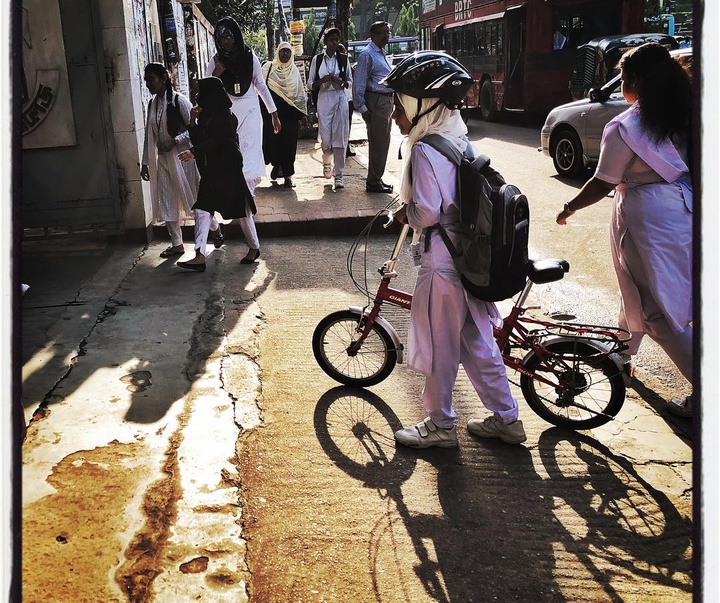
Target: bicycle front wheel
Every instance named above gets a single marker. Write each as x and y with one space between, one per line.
588 388
371 364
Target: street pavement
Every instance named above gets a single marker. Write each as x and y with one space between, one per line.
162 406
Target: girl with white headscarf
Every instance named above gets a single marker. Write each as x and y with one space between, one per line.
286 87
448 326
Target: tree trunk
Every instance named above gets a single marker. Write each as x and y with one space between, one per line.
269 31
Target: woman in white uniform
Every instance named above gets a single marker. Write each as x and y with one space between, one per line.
173 184
644 158
448 326
331 76
239 70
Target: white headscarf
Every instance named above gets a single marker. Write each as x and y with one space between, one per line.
285 81
441 120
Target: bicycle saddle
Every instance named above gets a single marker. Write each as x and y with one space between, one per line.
547 271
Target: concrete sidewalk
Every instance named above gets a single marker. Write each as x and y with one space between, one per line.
313 207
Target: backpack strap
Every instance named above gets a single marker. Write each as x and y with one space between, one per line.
317 66
441 144
451 153
342 64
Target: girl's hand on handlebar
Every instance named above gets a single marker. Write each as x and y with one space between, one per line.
401 214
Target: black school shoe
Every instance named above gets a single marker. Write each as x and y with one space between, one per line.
379 188
192 267
218 238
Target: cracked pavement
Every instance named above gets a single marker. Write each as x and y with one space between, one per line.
136 397
185 446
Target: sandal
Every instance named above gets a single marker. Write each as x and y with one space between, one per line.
170 251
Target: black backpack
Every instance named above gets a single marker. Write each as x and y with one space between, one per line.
490 245
342 64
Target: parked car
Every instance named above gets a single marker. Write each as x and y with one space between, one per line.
572 132
596 61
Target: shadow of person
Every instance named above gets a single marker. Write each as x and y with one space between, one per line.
150 400
496 533
482 539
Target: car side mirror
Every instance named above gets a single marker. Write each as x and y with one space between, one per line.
595 95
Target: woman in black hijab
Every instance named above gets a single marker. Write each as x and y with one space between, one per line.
216 153
239 69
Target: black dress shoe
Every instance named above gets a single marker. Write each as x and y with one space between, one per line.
386 184
379 188
276 173
193 267
218 238
252 255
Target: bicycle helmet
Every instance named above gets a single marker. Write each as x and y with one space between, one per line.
431 74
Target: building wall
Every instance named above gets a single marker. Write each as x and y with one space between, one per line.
132 37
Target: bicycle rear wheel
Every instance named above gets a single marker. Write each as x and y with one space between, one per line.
370 365
596 388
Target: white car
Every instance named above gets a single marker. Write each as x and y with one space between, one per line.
572 132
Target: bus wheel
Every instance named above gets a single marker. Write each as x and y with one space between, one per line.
567 153
487 102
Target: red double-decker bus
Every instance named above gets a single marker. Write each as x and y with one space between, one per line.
521 53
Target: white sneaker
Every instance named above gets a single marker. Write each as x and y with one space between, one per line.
327 170
426 434
681 408
492 427
339 182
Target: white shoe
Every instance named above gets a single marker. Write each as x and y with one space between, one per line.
492 427
681 408
426 434
339 182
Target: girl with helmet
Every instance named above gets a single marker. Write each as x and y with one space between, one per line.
448 326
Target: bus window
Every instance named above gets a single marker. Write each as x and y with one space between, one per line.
481 39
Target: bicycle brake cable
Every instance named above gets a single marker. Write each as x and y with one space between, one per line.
365 232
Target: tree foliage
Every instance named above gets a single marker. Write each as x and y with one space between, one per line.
408 21
311 33
257 40
250 14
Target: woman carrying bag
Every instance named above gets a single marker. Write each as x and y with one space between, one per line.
173 185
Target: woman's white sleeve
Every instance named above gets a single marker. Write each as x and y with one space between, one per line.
261 87
615 156
185 105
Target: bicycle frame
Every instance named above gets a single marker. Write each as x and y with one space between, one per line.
512 332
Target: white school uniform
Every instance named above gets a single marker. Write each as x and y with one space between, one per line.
651 235
250 124
447 325
333 108
173 184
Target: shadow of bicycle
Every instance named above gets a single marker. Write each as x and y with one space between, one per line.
618 525
487 514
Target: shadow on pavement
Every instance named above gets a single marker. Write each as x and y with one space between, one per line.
517 524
